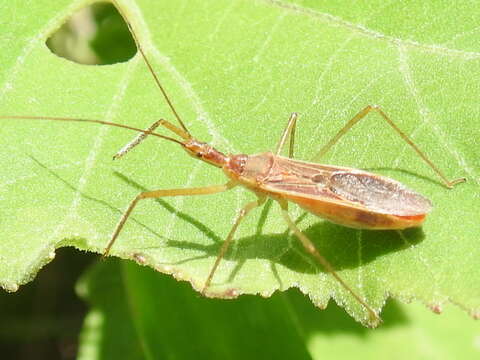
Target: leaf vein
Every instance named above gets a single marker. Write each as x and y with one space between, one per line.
426 115
362 30
98 141
30 45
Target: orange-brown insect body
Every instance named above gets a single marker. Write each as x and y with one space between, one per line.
345 196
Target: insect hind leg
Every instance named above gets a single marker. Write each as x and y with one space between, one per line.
361 115
308 245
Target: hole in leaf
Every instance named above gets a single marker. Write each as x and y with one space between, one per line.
94 35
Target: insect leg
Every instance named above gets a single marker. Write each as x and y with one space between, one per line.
289 130
140 137
308 245
136 140
246 209
377 108
161 193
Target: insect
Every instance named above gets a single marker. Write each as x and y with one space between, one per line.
342 195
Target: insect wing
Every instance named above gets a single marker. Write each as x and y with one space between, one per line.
340 184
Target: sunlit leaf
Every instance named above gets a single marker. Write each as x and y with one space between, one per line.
235 70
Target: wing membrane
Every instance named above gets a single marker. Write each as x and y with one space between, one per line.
340 184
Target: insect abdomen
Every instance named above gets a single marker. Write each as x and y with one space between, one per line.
355 217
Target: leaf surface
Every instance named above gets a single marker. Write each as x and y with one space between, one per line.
235 70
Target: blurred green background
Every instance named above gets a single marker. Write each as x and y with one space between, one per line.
95 35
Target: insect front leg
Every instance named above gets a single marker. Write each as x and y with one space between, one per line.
361 115
161 193
308 245
142 136
243 212
136 140
289 130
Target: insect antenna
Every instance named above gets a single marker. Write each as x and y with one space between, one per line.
55 118
150 68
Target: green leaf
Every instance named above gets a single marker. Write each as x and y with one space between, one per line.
137 313
235 71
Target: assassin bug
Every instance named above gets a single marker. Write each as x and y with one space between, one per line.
342 195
